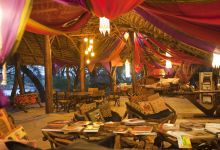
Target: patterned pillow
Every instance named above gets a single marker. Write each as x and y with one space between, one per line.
87 107
153 97
95 115
137 107
158 105
147 108
105 110
138 98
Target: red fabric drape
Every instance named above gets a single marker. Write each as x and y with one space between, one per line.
137 56
201 20
112 8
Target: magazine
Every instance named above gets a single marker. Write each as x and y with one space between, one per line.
59 122
141 130
134 121
91 128
73 128
192 126
82 123
54 127
120 129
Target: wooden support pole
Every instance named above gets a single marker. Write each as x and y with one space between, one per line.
48 75
131 45
82 67
68 79
18 74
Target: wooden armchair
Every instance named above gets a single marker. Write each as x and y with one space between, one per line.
58 139
6 124
168 115
152 108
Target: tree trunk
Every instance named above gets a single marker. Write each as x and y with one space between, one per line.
68 79
36 82
18 74
14 89
76 81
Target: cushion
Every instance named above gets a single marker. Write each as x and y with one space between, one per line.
153 97
87 107
105 109
159 115
147 108
95 115
158 105
136 99
136 107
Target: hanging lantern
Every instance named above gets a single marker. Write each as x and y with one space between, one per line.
168 63
87 61
104 25
89 49
126 35
91 41
127 69
85 39
216 60
92 54
4 74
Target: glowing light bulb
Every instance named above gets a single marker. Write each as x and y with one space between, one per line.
87 61
127 69
92 54
85 39
91 41
86 52
126 35
89 49
168 63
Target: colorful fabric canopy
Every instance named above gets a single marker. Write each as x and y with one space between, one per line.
13 20
105 8
198 20
61 18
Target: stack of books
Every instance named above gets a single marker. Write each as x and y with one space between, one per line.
91 128
134 121
120 129
213 128
82 123
73 128
142 130
54 127
193 126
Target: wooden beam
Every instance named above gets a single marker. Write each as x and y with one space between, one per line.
82 67
48 75
130 44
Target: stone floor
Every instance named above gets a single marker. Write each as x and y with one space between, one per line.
36 118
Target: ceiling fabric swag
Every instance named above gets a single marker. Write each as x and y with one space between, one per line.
14 19
71 18
155 20
105 8
137 55
201 20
